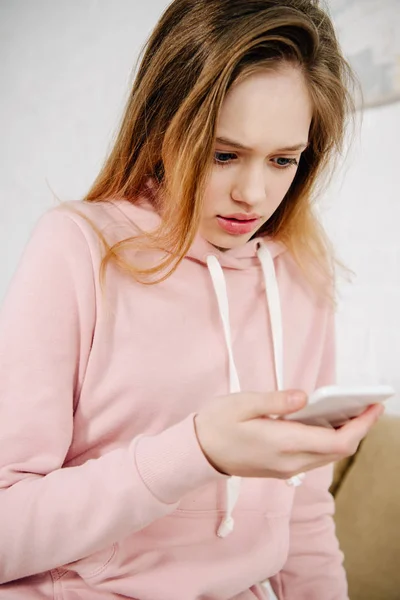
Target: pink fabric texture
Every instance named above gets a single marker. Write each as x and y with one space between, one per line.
104 490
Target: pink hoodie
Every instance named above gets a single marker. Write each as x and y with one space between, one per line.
104 490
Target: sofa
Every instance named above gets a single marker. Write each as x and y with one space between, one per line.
366 488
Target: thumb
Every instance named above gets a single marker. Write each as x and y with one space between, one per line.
271 404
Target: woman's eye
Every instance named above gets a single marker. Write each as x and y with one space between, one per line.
284 163
224 158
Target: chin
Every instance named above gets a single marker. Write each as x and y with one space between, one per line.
227 242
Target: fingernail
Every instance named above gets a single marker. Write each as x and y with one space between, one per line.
295 398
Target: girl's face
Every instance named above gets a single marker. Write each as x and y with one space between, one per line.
262 130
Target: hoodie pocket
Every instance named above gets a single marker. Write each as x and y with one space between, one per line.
270 497
93 565
207 500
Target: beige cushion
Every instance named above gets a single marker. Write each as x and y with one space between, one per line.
368 514
339 473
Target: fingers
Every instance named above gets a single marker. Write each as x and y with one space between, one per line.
309 439
251 406
359 427
335 442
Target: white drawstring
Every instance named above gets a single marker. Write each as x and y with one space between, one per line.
275 314
275 311
219 283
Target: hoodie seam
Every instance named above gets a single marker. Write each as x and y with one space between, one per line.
102 567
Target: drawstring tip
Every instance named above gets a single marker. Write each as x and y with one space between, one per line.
297 480
226 528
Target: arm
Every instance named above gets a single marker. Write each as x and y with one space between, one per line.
314 569
46 328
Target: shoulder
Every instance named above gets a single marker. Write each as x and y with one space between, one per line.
310 282
92 217
94 223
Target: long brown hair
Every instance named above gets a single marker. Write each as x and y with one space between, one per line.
197 51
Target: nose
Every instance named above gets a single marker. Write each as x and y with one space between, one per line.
249 186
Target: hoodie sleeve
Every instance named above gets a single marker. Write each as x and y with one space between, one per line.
50 515
314 569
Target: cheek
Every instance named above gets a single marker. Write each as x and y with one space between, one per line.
277 190
217 189
282 185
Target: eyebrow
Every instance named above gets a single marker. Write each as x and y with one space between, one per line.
227 142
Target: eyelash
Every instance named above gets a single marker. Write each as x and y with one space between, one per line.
291 162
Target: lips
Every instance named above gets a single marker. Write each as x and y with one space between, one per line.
239 224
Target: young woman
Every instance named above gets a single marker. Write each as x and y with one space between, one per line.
152 330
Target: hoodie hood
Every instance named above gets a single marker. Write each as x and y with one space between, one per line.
144 217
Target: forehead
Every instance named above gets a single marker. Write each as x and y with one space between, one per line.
267 109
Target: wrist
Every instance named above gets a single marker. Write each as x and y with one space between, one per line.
201 430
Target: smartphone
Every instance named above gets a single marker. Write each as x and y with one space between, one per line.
333 406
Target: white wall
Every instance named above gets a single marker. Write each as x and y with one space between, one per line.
363 219
65 70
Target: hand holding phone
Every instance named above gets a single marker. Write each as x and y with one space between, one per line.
239 438
333 406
